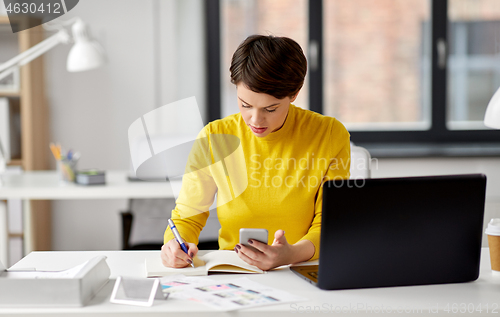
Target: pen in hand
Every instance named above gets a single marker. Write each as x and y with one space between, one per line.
179 238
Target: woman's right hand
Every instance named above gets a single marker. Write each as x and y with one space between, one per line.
173 256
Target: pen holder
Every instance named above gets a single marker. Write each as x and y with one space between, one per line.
66 170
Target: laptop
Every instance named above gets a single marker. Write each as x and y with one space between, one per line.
399 231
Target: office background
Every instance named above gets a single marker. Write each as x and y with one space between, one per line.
156 55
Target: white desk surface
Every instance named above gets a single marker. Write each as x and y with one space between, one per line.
429 300
46 185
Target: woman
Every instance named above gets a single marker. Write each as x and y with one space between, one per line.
288 153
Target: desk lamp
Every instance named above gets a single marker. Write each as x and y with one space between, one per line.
492 115
86 54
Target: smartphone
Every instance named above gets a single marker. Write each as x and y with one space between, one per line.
254 234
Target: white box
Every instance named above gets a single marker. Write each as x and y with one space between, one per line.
5 129
73 287
4 234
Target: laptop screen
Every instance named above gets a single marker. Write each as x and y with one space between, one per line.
401 231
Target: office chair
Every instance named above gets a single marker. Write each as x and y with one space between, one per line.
145 221
360 162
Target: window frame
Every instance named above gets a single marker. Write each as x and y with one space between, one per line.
437 141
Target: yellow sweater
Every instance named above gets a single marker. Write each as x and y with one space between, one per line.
272 182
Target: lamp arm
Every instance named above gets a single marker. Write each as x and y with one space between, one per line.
37 50
7 72
53 25
48 45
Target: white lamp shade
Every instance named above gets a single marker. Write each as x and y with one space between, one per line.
492 116
84 55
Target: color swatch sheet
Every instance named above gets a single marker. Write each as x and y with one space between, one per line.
228 294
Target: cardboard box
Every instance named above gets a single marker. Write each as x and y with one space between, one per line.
73 287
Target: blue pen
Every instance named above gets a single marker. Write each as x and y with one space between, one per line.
178 238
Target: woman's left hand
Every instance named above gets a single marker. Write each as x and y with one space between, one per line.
266 257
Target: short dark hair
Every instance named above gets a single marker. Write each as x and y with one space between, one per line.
268 64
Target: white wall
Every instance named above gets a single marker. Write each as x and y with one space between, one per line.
91 111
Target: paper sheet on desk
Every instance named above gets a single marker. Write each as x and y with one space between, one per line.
229 294
175 284
69 273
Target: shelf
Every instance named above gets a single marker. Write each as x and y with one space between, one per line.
23 20
15 162
4 19
10 94
31 109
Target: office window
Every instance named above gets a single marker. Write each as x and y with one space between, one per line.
474 61
241 18
412 75
377 63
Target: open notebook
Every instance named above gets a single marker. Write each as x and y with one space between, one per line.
215 261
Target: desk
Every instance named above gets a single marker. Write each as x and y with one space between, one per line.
45 185
430 300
